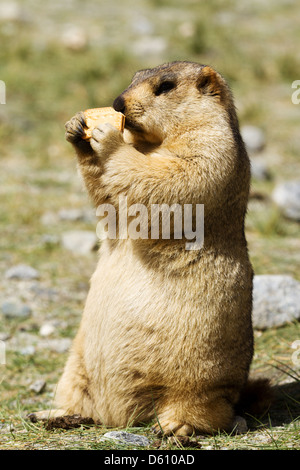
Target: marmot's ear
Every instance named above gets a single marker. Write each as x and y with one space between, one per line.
209 82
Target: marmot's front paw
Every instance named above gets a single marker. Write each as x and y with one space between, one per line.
106 139
75 128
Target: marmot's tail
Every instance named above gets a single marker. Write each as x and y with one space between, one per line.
256 398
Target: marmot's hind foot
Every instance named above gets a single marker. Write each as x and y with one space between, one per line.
168 428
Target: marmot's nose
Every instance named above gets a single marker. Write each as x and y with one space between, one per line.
119 104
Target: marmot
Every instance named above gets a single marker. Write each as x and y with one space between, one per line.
166 332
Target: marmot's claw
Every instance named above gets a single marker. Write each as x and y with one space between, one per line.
75 128
80 130
82 120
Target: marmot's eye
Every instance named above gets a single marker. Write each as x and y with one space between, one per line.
164 87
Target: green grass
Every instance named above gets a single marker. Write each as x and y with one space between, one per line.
47 84
277 429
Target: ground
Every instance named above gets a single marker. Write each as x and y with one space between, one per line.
49 77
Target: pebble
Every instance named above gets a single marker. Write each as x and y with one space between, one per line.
47 329
15 309
276 300
6 428
253 137
49 240
141 25
127 438
80 241
77 215
60 345
259 169
27 350
22 272
38 386
70 214
4 336
49 218
44 293
187 29
11 11
74 38
149 46
287 197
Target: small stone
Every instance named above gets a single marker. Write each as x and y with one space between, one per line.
22 272
141 25
253 138
77 215
44 293
80 241
47 329
60 345
259 169
15 309
38 386
49 218
287 196
276 301
10 11
72 215
128 438
6 428
149 46
50 240
74 38
27 350
4 336
187 29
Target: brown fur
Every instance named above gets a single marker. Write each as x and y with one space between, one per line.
166 332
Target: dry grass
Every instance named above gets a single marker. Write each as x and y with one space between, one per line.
45 87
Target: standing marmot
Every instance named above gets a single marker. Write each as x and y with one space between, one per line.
166 332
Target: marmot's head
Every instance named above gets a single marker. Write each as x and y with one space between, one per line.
174 97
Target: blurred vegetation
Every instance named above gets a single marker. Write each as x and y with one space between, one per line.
255 45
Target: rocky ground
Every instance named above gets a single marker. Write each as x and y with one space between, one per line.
58 58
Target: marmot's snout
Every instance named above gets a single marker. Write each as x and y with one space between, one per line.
119 104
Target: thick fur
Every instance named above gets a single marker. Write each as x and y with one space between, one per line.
166 333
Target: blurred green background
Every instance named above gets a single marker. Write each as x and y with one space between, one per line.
57 58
